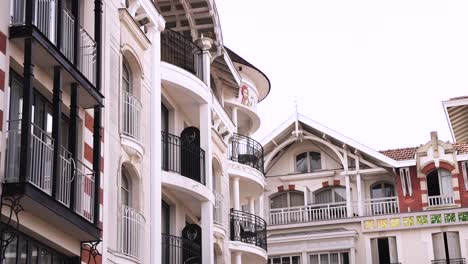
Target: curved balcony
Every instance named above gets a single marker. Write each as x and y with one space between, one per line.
178 250
247 151
183 158
248 228
132 231
180 51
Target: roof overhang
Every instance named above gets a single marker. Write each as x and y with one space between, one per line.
456 111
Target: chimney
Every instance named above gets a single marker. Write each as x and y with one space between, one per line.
434 135
435 143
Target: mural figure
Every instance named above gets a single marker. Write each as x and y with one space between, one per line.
245 95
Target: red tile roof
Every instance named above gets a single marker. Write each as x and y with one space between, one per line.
409 153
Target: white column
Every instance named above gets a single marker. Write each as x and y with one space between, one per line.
359 195
205 141
251 205
261 206
207 232
237 257
234 117
352 256
304 259
235 190
155 167
349 207
205 45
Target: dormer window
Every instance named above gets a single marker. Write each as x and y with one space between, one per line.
308 162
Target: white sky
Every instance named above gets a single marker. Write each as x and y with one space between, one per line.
375 71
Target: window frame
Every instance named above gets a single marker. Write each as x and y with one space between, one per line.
329 253
332 189
382 184
288 198
129 81
308 159
405 178
280 257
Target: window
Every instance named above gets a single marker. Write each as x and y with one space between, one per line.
308 162
439 186
384 250
330 195
465 173
329 258
284 260
287 199
446 246
125 188
405 178
126 78
382 190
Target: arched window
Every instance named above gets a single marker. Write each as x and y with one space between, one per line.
308 162
382 190
330 195
125 188
126 78
439 182
287 199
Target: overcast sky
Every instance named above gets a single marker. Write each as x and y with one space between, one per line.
376 71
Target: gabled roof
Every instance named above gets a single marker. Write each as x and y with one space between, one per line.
284 131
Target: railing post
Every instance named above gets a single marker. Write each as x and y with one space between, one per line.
26 118
56 128
72 136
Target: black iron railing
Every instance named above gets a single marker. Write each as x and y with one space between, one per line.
248 228
178 250
181 157
246 150
449 261
179 50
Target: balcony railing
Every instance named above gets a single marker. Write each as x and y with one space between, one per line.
382 206
308 213
246 151
178 250
218 209
449 261
248 228
132 232
183 158
180 51
440 200
41 173
45 19
131 109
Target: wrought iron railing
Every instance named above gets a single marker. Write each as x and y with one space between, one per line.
87 60
449 261
68 35
180 51
246 150
71 171
132 232
248 228
307 213
131 109
382 206
183 158
178 250
440 200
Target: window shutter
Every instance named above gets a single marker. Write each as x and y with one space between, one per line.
453 243
403 180
465 173
408 181
445 180
374 251
438 246
392 248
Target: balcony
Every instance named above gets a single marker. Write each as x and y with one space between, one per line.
178 250
131 111
449 261
180 51
132 232
382 206
247 151
248 228
69 198
183 158
440 200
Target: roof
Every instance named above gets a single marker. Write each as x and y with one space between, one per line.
456 111
409 153
238 59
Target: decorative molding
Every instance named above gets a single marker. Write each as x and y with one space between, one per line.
133 28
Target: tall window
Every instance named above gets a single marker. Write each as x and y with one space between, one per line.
330 195
384 250
382 190
287 199
446 247
126 78
439 182
308 162
125 188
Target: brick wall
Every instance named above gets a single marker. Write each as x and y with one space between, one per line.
409 203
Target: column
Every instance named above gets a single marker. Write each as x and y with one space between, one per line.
234 117
77 35
73 135
205 44
26 118
235 190
261 206
304 259
359 194
251 205
207 232
352 256
237 257
349 208
56 129
98 39
205 141
155 167
97 161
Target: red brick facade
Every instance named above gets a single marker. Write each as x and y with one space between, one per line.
409 203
